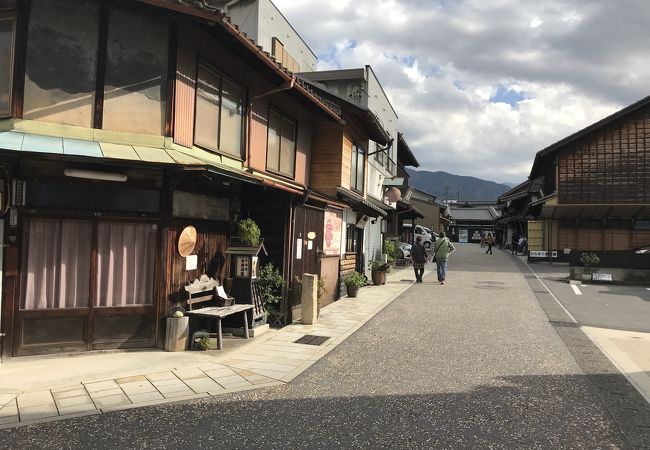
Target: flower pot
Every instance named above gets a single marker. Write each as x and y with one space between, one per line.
352 289
378 277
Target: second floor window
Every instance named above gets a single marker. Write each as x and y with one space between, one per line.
281 150
6 63
219 119
358 169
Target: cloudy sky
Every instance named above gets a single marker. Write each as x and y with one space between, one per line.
481 85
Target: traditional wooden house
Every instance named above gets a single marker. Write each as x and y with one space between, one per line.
339 169
595 186
121 124
470 218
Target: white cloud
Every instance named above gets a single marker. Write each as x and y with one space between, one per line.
564 64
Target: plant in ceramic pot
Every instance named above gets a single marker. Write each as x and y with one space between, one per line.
588 260
353 282
379 270
249 232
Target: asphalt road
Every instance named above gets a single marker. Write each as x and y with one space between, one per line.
472 364
598 305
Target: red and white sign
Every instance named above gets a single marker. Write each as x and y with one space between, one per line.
332 232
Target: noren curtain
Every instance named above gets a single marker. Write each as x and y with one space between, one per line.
125 263
58 264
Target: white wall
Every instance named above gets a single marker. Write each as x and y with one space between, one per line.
273 24
245 15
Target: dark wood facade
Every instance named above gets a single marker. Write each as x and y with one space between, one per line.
153 169
595 186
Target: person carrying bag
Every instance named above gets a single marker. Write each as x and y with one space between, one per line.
442 249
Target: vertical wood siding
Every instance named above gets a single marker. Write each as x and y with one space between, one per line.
610 166
185 87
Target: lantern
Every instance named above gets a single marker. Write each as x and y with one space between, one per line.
393 194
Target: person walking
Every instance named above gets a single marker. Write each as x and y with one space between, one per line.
489 241
419 258
515 242
441 251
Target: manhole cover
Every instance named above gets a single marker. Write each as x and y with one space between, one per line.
312 339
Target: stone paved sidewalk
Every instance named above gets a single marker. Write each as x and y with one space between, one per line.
269 360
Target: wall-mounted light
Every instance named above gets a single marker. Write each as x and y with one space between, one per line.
95 175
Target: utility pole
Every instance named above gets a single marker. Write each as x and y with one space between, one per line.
458 195
446 193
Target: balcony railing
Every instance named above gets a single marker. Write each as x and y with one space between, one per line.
386 162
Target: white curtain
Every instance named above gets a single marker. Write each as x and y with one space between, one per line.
125 263
57 264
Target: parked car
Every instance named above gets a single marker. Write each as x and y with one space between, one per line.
404 250
428 237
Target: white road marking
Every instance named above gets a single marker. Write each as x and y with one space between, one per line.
552 295
575 289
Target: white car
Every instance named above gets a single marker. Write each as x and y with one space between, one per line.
428 237
404 250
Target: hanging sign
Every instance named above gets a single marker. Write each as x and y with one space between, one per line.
187 241
332 233
298 248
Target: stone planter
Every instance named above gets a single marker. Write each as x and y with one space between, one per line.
177 335
378 277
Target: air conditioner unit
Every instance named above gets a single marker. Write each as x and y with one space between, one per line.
361 223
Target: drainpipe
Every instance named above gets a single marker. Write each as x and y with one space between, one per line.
285 87
228 5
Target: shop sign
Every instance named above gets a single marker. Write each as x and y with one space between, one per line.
333 224
538 254
601 276
463 236
191 262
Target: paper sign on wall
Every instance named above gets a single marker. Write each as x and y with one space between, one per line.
191 262
298 248
310 245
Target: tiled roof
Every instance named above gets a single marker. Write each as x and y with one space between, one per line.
473 214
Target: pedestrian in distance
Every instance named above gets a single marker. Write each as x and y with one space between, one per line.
515 242
489 241
482 238
441 252
419 258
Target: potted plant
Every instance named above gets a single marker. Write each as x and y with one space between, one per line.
249 232
588 260
270 283
390 249
353 282
379 270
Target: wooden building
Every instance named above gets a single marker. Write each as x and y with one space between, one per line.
595 186
141 118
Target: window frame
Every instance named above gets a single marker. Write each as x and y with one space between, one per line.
283 116
350 228
11 16
357 151
103 17
200 62
93 267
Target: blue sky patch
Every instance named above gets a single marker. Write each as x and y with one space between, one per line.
509 96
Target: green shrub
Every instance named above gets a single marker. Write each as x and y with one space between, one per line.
249 232
379 266
355 279
269 283
390 249
589 259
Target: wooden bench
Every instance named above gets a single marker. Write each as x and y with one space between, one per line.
219 312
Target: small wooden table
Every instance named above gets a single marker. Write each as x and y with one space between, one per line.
219 312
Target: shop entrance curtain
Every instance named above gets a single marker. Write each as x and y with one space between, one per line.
125 264
57 257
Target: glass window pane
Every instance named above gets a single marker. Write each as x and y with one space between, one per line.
353 170
6 63
360 169
57 262
125 264
232 111
61 61
273 149
136 71
206 123
288 147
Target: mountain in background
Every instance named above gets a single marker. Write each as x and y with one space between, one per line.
471 189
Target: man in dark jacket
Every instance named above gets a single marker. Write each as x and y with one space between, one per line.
419 258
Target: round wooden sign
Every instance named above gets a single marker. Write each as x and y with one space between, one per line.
187 241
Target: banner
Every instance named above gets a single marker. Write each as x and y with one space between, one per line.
332 232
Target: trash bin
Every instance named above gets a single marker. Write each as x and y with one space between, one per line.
178 331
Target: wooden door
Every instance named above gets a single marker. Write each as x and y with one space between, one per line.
306 257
